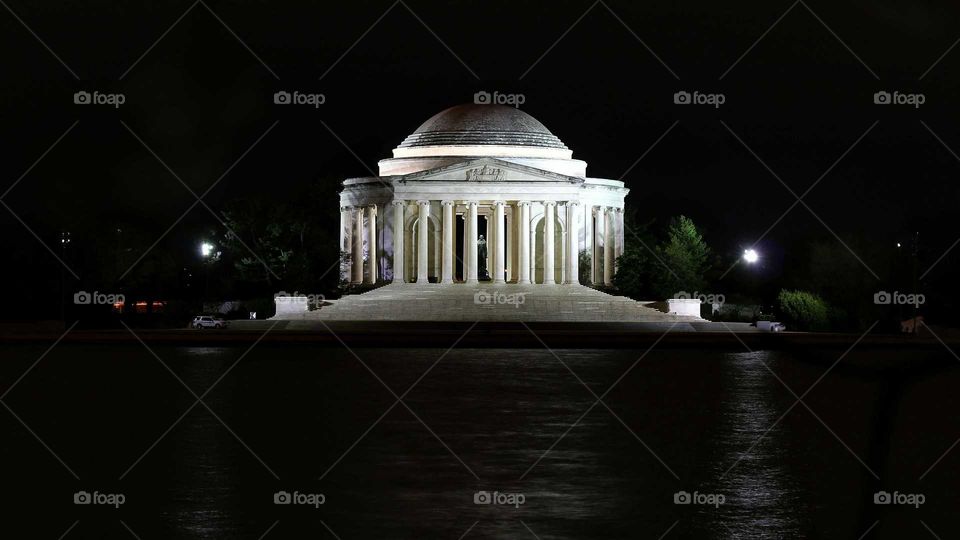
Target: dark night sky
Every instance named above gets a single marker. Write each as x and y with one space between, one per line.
199 98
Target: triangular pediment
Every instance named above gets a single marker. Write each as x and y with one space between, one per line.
488 170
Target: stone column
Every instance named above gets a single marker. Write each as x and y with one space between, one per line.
372 244
344 245
589 242
498 266
344 224
533 254
489 238
608 246
446 272
524 229
598 231
533 248
398 222
619 231
573 256
465 262
549 216
357 258
470 245
423 225
509 237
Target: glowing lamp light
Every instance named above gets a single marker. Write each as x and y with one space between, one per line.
206 249
750 256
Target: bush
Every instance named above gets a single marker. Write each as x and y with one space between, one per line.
802 310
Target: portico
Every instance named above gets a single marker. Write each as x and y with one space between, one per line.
541 246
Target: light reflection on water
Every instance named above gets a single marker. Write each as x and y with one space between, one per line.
759 487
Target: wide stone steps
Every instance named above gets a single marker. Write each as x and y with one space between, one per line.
486 302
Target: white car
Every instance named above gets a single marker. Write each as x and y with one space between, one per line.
770 326
208 321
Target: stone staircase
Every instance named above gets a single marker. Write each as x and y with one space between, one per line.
487 302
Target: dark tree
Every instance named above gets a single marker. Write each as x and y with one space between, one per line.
680 262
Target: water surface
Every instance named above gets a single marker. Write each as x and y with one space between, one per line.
524 422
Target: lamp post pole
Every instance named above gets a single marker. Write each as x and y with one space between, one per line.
64 240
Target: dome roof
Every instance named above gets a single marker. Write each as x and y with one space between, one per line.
473 125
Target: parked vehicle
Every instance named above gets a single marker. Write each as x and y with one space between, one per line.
208 321
771 326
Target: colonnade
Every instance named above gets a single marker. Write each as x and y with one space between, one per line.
603 239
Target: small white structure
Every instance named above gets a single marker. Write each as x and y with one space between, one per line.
684 306
290 305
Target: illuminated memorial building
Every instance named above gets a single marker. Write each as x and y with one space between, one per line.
482 214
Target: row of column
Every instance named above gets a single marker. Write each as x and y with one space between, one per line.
497 237
355 217
607 220
447 247
607 217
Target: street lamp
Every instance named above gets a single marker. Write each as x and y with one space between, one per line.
750 256
209 257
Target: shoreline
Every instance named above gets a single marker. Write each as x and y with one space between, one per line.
502 335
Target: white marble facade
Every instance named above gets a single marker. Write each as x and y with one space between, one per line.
475 170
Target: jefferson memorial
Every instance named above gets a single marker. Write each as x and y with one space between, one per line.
481 214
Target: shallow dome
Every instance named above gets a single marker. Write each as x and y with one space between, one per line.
477 131
489 125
